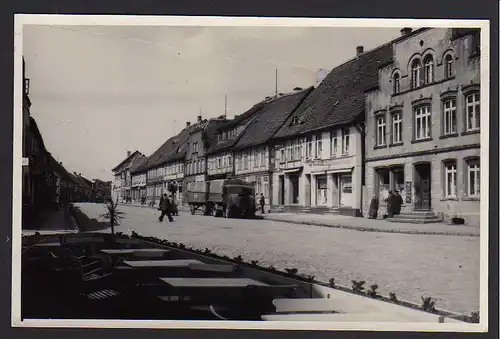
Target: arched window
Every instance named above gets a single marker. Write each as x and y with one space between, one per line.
428 69
448 66
415 73
396 84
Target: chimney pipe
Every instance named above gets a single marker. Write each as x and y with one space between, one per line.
188 123
128 153
199 118
405 31
359 50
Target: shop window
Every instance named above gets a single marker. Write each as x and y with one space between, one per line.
450 179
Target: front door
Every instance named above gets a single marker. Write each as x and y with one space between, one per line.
294 181
423 187
281 189
346 195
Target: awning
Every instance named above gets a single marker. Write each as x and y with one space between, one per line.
340 170
292 170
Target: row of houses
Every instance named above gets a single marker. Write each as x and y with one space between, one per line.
46 184
404 116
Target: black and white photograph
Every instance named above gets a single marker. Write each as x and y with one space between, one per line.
250 173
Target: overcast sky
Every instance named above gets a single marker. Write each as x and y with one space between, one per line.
98 91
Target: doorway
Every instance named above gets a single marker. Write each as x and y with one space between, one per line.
281 189
422 186
346 195
294 183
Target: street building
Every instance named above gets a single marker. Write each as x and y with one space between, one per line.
220 155
252 151
122 183
423 125
318 150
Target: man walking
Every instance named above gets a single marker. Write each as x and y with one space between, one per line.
165 208
262 202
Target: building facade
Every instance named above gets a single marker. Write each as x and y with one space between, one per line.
423 124
122 177
318 152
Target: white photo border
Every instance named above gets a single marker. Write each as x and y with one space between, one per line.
124 20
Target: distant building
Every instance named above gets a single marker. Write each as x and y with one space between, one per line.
122 183
423 124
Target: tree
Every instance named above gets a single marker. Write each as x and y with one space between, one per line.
112 214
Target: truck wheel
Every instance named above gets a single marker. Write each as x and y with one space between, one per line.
192 209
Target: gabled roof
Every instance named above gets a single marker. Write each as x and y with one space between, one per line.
242 119
270 118
125 160
340 98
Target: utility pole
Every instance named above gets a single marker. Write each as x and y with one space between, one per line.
225 105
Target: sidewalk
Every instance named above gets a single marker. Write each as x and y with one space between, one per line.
59 221
369 225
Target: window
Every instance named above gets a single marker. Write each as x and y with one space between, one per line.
473 178
345 141
415 73
473 112
288 151
297 149
448 64
202 165
309 147
245 161
422 122
333 143
319 146
229 161
450 179
397 128
381 131
450 117
282 155
428 69
219 163
257 159
292 150
263 158
396 84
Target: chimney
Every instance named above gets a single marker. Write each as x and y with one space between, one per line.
405 31
60 163
188 123
199 118
359 50
128 153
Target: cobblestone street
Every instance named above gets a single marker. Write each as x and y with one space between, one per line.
443 267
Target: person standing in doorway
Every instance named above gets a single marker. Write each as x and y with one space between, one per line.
373 212
398 201
262 202
390 205
165 208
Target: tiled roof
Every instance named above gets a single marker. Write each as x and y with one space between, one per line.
124 161
270 118
242 119
211 131
339 99
137 161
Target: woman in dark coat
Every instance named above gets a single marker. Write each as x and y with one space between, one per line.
397 202
373 213
390 205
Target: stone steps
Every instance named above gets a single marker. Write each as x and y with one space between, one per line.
416 217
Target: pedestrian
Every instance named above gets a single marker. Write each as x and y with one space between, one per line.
262 202
398 201
390 205
373 212
165 208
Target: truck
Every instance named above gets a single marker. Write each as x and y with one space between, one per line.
230 198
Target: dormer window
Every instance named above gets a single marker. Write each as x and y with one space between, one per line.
295 121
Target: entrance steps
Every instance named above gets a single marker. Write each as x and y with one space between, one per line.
416 217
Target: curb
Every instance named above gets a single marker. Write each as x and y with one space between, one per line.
371 229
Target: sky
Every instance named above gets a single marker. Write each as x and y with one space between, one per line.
100 91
